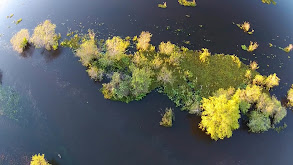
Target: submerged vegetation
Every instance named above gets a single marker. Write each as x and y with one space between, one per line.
187 3
164 5
39 159
20 40
167 118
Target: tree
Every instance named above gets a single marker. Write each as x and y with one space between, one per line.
220 116
39 159
143 42
88 50
258 122
95 73
165 75
19 40
45 36
259 80
251 93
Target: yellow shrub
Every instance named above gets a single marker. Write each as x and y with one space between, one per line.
19 40
95 73
116 45
203 57
236 60
252 46
39 160
251 93
167 119
259 80
157 62
166 48
253 65
290 96
248 74
143 42
272 80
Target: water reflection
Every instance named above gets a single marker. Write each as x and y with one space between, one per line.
51 55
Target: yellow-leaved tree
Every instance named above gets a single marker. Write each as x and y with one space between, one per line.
39 159
220 115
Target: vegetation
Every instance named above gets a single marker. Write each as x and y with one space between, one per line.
44 36
245 27
269 2
39 159
164 5
167 118
218 87
187 3
251 47
290 96
258 122
18 21
20 40
288 48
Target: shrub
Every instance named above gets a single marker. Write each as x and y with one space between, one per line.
166 48
116 45
252 46
203 57
220 116
187 3
253 65
258 122
95 73
248 74
251 93
245 26
143 42
269 2
19 40
236 60
45 36
272 80
290 96
39 160
164 5
259 80
88 50
167 118
288 48
165 76
157 62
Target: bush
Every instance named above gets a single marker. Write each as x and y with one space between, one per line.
272 81
39 160
116 45
165 76
88 50
290 96
167 118
251 93
45 36
259 80
19 40
95 73
203 57
141 81
258 122
253 65
187 3
143 42
166 48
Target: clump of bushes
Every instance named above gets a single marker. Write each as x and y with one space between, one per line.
166 48
20 40
167 118
45 36
39 159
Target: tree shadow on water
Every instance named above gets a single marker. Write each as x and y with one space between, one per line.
51 55
28 51
195 130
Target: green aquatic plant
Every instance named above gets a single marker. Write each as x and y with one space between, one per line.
20 40
163 6
187 3
18 21
44 36
269 2
167 118
251 47
288 48
39 159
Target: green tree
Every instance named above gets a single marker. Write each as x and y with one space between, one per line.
258 122
141 81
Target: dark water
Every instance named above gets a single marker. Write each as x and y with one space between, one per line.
74 120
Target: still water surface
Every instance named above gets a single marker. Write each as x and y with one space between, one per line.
71 117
